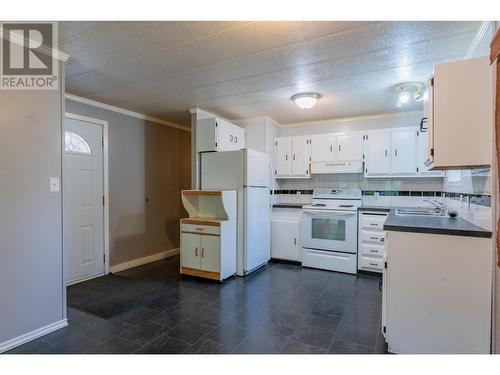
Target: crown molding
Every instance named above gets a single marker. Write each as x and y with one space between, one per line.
123 111
353 118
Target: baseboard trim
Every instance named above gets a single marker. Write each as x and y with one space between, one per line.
23 339
140 261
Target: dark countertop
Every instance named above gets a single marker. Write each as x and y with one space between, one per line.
434 225
289 205
375 208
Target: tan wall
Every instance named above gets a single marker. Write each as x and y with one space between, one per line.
149 164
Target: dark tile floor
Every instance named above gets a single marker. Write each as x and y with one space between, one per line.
281 308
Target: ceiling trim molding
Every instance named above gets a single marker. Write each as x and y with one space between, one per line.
126 112
480 35
253 119
354 118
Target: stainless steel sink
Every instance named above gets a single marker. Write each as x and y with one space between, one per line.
419 212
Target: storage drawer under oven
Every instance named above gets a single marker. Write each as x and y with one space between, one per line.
372 237
371 249
370 264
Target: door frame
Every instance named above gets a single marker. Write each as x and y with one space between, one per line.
105 190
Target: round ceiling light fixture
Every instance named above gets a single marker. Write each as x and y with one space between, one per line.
306 100
409 90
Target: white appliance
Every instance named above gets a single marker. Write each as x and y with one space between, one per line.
248 172
330 226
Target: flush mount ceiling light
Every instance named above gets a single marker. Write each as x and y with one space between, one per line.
407 91
306 100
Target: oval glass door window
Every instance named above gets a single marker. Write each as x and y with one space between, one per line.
76 143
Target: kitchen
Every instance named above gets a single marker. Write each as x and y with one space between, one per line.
341 223
260 187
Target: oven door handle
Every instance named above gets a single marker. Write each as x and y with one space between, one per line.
329 214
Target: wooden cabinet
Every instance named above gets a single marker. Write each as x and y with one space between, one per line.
214 134
460 114
292 157
208 236
371 239
285 234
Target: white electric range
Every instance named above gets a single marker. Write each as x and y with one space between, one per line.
330 230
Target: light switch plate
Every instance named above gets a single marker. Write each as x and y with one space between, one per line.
54 184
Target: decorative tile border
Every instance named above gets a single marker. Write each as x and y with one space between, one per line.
480 199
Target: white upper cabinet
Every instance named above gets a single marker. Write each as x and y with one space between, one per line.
349 147
460 114
292 157
214 134
283 155
378 153
323 148
404 151
300 156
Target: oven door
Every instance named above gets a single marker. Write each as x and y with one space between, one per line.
330 230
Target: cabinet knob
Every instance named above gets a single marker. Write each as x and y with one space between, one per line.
235 139
202 252
230 138
196 251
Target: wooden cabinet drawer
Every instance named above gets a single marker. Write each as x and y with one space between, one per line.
371 221
370 264
372 237
373 250
200 229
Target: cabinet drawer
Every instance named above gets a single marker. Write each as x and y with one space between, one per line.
372 237
201 229
373 250
368 221
370 264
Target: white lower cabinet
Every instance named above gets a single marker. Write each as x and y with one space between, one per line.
200 251
285 234
371 240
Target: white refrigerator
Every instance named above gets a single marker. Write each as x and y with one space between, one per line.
248 172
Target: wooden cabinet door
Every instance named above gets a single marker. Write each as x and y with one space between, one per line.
300 156
283 156
349 147
210 253
323 148
378 153
190 250
285 239
404 151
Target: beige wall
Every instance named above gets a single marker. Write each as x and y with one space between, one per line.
31 260
149 164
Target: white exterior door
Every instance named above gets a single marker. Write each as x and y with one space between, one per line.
323 148
283 157
378 152
83 200
404 151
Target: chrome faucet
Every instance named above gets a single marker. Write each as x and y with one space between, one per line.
438 206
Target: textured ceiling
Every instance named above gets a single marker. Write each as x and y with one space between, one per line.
251 69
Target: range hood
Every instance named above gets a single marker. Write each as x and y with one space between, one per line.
337 167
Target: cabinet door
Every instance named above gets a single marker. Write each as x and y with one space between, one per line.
210 253
300 156
285 239
283 157
228 136
349 147
190 250
323 148
378 148
404 151
239 137
422 157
